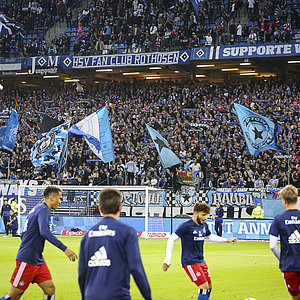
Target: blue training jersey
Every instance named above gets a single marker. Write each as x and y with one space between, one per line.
36 231
192 239
14 221
287 225
109 253
5 210
219 213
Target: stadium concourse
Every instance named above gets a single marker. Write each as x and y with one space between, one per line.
195 117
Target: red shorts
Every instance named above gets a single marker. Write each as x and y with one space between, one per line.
25 273
292 282
199 273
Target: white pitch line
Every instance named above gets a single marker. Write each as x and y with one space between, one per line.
230 254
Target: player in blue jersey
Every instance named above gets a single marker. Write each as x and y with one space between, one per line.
287 225
5 214
31 266
218 219
193 233
109 253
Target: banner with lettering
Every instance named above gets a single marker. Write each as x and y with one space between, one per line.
259 50
242 229
237 204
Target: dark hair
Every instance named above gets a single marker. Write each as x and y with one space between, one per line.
202 207
109 201
51 189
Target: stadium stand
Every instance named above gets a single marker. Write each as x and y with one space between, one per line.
109 27
196 118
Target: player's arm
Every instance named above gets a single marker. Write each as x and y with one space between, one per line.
82 268
170 244
273 246
43 221
135 265
274 232
218 239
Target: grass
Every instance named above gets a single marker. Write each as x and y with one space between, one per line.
243 270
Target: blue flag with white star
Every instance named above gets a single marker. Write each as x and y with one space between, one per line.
167 157
259 131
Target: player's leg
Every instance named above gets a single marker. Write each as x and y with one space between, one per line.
13 294
49 289
199 274
45 282
292 282
5 220
20 280
217 227
221 228
205 289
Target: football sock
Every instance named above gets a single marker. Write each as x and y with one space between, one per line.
204 294
47 297
5 297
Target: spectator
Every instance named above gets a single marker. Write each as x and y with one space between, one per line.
252 37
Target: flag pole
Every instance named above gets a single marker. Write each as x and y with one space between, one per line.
289 167
8 167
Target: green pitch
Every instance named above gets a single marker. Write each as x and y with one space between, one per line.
246 269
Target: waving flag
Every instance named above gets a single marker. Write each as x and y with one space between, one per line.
167 157
9 26
2 135
48 149
96 130
259 131
48 123
9 134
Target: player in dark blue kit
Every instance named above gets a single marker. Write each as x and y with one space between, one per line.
31 266
193 233
12 224
218 219
287 225
5 214
109 253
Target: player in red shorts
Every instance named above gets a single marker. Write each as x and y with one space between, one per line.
193 233
31 266
287 225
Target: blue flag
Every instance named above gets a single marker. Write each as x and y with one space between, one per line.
2 135
167 157
258 200
48 150
10 137
96 130
259 131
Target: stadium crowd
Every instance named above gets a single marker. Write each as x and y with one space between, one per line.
144 26
196 118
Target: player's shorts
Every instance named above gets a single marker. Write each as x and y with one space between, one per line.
199 273
25 273
292 282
